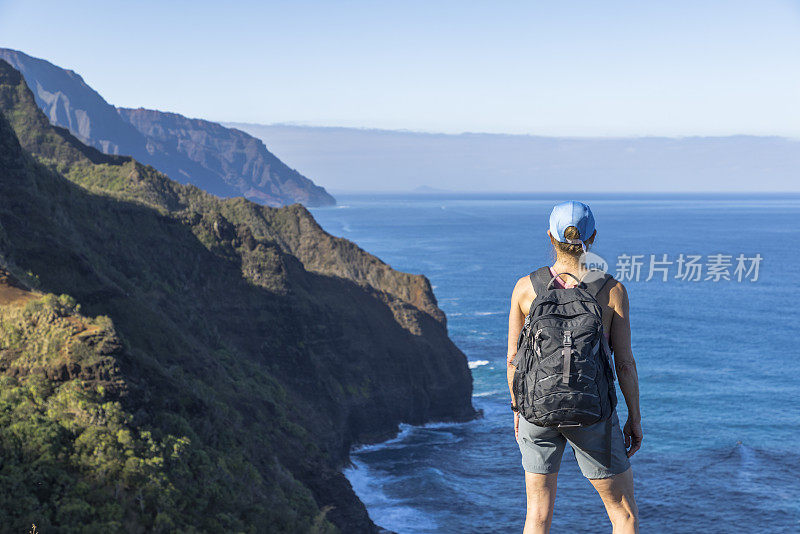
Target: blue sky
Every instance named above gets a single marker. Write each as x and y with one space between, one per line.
593 68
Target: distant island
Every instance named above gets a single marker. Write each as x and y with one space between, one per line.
360 159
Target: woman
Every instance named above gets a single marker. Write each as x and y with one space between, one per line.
572 230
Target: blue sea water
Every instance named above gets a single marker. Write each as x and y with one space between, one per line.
719 362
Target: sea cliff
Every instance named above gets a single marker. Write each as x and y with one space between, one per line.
223 161
242 350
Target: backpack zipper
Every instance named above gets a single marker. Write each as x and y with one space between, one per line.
567 355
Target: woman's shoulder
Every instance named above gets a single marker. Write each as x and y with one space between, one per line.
523 290
523 294
523 285
614 293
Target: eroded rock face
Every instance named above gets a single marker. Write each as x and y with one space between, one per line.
223 161
274 345
224 155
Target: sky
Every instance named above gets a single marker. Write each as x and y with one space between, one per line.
574 68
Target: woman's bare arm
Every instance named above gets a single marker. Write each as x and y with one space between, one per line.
625 365
515 321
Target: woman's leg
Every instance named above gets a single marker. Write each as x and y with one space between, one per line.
617 495
541 493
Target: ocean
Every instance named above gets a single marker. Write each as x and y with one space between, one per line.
718 360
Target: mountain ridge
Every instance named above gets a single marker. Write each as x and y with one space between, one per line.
242 161
224 162
262 367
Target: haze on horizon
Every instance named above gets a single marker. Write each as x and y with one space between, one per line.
617 68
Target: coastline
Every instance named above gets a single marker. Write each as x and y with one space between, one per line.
367 484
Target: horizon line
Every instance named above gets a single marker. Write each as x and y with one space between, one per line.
234 124
447 192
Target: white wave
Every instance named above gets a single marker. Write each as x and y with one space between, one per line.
386 511
488 313
405 430
364 485
436 424
487 393
477 363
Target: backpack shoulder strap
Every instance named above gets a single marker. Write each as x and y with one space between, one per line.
596 286
539 279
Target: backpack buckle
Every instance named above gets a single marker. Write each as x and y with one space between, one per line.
536 348
567 338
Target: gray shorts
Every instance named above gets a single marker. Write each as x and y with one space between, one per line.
599 448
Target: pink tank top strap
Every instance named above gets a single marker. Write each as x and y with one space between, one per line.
559 283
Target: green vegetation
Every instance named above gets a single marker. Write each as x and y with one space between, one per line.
236 352
75 461
70 454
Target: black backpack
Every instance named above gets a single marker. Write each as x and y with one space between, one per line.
564 374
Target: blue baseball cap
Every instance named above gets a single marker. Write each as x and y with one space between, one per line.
571 213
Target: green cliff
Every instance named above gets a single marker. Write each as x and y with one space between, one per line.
236 353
